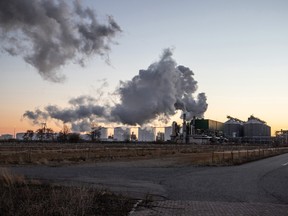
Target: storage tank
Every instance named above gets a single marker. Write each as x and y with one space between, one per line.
233 128
167 133
255 127
104 133
147 134
121 134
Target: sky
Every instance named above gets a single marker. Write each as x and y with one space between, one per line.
237 51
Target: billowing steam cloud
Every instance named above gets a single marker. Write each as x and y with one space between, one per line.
81 114
155 92
159 90
50 33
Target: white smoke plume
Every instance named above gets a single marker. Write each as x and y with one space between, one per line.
48 34
82 112
158 91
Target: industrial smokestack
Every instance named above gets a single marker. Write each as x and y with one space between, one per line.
192 126
184 117
184 128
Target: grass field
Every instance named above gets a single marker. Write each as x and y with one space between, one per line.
58 154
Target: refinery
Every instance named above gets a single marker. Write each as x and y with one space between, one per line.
196 131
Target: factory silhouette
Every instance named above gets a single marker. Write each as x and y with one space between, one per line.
234 130
196 131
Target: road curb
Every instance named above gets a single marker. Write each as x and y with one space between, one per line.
199 208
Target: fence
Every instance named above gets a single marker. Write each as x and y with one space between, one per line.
242 156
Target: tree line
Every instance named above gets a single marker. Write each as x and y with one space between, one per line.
65 135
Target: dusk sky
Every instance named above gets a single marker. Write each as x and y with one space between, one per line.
237 51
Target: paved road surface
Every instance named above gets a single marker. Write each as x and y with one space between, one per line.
264 181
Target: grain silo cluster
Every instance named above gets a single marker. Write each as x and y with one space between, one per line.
253 130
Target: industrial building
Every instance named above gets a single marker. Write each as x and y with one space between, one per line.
201 131
281 136
198 130
208 127
6 137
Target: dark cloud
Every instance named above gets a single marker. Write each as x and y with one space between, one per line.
36 116
48 34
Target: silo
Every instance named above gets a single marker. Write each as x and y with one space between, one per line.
255 127
147 134
167 133
104 133
233 128
121 134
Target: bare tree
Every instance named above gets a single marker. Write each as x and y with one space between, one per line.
73 137
28 135
49 134
95 133
44 133
40 134
63 135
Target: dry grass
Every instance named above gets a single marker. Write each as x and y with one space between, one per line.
19 196
57 154
78 154
228 158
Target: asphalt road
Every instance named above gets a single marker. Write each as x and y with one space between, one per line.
264 181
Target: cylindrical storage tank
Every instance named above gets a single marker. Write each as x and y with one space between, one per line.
167 133
146 134
267 130
104 133
121 134
233 129
256 128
